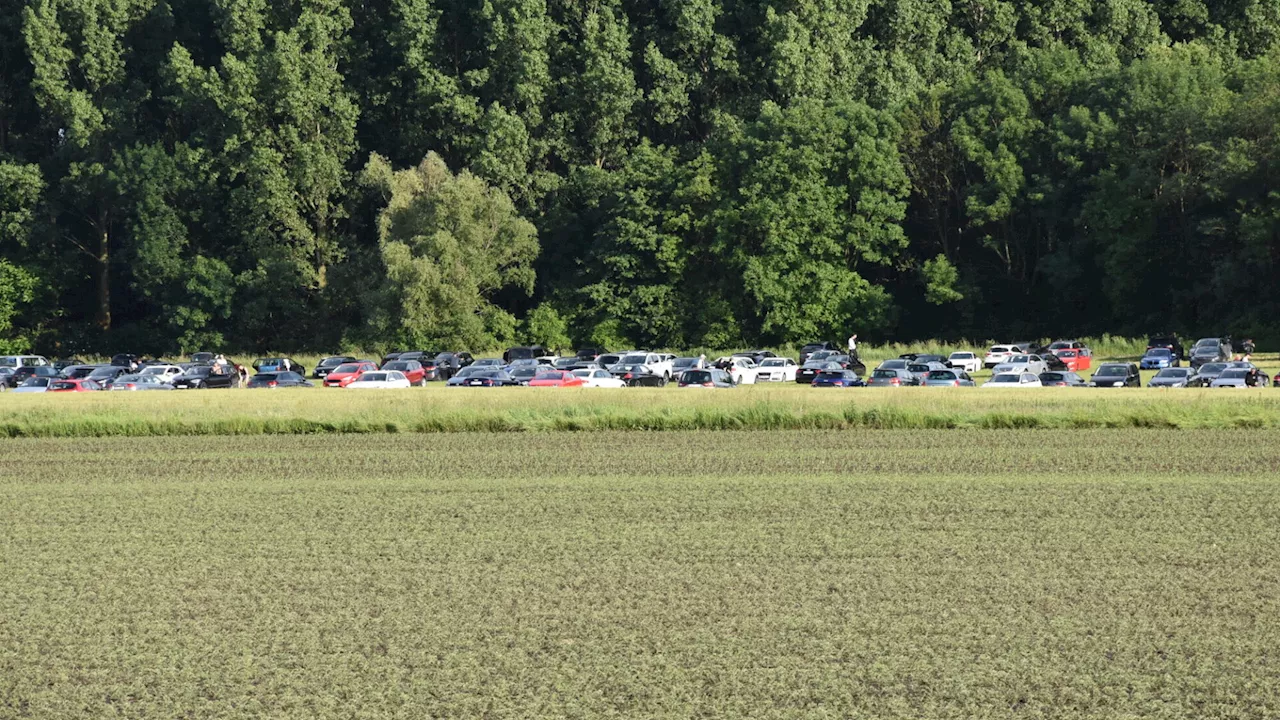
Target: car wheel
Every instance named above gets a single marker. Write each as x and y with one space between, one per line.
197 385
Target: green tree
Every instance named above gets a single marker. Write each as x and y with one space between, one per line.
449 243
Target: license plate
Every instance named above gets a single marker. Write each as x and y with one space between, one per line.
475 382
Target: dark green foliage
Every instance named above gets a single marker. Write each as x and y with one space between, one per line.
184 173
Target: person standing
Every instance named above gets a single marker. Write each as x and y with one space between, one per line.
853 343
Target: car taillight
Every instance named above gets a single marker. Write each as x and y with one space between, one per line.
956 383
707 384
895 381
627 376
130 386
271 384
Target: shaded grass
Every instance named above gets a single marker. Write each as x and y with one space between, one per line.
778 407
895 574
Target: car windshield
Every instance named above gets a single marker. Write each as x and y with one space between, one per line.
697 376
774 362
823 354
998 349
961 356
331 362
942 375
1059 345
1020 359
103 372
917 368
894 364
1112 371
884 374
520 372
1210 368
1158 352
396 365
634 360
1208 343
1006 378
1173 373
346 368
1052 377
64 385
1234 374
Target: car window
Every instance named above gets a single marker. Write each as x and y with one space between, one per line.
942 375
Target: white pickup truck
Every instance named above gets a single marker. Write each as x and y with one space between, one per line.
660 364
1000 354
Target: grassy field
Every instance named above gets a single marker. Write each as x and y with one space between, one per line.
438 409
898 574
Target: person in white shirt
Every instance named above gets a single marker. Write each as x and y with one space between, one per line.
853 343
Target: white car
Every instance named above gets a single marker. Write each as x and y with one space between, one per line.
777 369
998 354
379 380
17 361
166 373
1033 364
965 361
741 369
660 364
598 378
1013 380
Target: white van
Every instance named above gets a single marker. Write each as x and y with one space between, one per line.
17 361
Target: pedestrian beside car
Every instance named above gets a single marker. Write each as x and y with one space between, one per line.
853 344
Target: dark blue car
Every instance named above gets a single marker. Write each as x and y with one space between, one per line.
838 378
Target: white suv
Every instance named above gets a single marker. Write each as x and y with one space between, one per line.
965 361
659 364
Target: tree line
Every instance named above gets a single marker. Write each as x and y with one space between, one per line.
312 174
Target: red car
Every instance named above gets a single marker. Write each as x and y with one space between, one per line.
1076 359
81 385
556 378
346 373
412 369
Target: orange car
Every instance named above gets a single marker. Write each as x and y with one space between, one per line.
80 385
346 373
556 378
1075 359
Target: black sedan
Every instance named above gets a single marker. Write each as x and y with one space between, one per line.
281 379
483 377
29 371
207 377
638 376
1116 375
326 366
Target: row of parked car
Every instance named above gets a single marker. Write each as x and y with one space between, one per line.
1057 364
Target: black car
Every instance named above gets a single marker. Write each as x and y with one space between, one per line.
1116 375
1169 342
278 380
812 348
203 358
1054 363
708 378
326 365
816 364
449 363
393 355
523 353
20 375
1209 350
207 376
755 356
638 376
589 353
104 374
485 377
125 360
1065 378
64 363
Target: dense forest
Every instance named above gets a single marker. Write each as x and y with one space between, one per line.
315 174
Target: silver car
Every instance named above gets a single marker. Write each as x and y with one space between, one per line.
948 378
891 377
921 370
1241 378
1178 377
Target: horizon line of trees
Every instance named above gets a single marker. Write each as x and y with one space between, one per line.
310 174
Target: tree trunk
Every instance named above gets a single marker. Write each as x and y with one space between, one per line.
103 270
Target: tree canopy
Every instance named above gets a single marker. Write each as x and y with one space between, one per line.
184 174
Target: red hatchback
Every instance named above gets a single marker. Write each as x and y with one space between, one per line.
346 373
556 378
81 385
